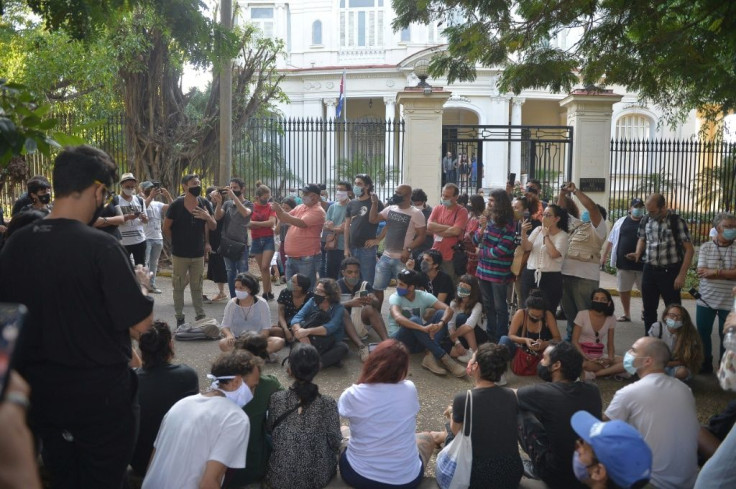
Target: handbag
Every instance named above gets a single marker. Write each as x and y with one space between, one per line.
356 314
316 319
330 241
459 259
455 461
593 350
230 249
525 361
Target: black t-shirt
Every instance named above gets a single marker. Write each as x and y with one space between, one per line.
159 388
627 239
110 211
344 289
22 201
442 283
187 232
82 295
290 309
496 460
553 404
361 228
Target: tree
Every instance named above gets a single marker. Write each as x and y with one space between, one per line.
678 54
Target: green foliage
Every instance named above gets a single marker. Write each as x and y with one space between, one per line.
678 54
375 166
721 180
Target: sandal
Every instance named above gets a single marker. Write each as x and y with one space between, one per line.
623 319
219 298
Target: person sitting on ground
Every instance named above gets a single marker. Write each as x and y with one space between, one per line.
464 330
247 312
304 426
610 455
259 442
327 334
438 283
532 328
405 320
545 410
383 449
366 301
678 331
202 435
161 384
496 460
290 301
594 329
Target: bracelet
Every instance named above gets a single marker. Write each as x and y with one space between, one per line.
104 219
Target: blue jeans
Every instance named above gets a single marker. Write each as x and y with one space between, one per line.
704 317
234 268
720 471
418 341
386 269
367 259
153 253
307 265
497 311
506 341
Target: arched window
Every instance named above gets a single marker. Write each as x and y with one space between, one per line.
317 32
634 127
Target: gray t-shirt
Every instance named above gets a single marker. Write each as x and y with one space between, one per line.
236 226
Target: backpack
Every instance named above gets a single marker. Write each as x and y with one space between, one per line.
204 329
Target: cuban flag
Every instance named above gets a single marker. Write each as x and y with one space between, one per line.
341 98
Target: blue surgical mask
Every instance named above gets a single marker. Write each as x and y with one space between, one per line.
729 234
358 191
289 285
629 363
672 323
637 212
446 203
579 468
402 291
585 216
462 292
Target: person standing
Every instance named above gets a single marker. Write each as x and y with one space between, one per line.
360 232
334 230
419 200
39 196
236 213
155 211
75 347
262 222
133 208
667 250
187 221
447 223
449 169
621 242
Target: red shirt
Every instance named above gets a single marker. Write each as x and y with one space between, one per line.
457 217
261 213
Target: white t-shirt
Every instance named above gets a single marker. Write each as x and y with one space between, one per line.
383 423
585 269
662 409
587 333
667 336
716 292
241 319
539 259
197 429
473 318
132 231
153 227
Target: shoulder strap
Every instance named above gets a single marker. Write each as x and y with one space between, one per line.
284 415
140 201
523 326
116 200
675 228
661 327
468 419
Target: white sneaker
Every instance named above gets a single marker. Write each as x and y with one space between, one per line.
502 380
465 357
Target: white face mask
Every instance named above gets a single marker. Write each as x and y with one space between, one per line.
129 191
241 294
240 396
341 195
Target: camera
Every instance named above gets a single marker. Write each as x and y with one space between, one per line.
156 184
223 190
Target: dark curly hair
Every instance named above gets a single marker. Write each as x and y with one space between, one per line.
155 345
236 362
477 204
502 213
248 280
492 360
254 343
332 290
571 360
435 255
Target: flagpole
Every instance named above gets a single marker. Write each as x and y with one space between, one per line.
345 113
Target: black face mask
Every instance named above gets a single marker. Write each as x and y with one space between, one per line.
196 191
543 372
318 299
599 306
533 319
396 199
44 199
238 193
97 214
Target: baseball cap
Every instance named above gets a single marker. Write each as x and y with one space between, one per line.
311 187
636 202
146 185
126 177
617 445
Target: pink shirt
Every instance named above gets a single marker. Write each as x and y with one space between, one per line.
301 242
456 217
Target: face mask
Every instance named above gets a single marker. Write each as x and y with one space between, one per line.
463 292
673 324
196 191
289 285
402 291
240 396
727 371
599 306
307 200
324 198
237 193
129 192
341 195
319 299
629 363
425 266
396 199
352 281
262 201
585 216
543 372
579 468
637 212
358 191
446 203
728 234
518 215
46 198
241 294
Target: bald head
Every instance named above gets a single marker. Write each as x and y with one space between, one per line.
655 349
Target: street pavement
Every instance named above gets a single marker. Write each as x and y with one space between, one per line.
435 392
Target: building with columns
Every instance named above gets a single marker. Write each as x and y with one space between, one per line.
326 38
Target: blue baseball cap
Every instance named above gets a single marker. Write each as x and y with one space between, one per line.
617 445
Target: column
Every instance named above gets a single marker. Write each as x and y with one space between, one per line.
495 154
589 113
423 139
390 143
330 149
515 146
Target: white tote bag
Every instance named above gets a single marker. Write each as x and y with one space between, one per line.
357 312
455 461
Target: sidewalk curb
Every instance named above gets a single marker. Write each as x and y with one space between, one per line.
636 293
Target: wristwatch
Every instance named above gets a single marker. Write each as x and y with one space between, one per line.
442 321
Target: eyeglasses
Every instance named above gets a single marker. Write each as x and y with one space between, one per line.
532 190
674 316
110 195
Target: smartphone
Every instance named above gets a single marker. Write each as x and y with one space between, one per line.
156 184
526 215
364 293
11 321
137 213
372 346
512 178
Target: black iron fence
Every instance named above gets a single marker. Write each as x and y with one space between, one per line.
697 178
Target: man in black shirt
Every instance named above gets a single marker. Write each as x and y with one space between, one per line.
84 304
544 415
187 221
360 233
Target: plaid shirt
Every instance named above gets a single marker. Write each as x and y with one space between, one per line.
661 248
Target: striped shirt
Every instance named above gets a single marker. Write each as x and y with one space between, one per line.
661 246
716 293
495 252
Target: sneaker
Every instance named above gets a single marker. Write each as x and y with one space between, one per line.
455 368
465 357
154 290
502 380
200 317
179 322
272 358
529 469
430 363
363 352
206 299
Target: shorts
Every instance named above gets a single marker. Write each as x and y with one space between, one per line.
625 280
259 245
386 269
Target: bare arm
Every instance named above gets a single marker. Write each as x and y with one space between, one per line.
286 217
213 474
373 216
166 228
346 235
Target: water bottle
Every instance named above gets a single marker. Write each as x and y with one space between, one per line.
729 340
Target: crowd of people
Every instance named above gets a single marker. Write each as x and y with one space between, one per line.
511 259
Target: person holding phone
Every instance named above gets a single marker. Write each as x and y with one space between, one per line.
133 209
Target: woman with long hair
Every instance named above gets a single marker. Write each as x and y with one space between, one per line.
495 240
304 426
677 330
384 450
464 335
593 336
533 327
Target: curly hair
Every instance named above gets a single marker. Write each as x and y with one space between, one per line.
236 362
688 347
155 345
332 290
477 205
387 364
502 213
571 360
254 343
248 280
492 360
